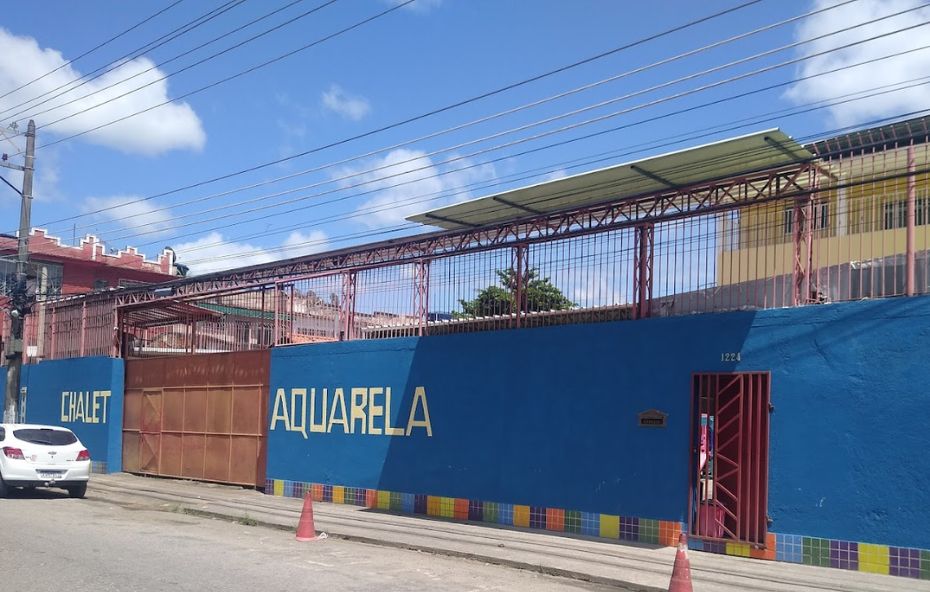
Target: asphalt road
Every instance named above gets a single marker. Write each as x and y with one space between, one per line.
49 542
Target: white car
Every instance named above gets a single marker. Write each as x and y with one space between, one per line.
42 456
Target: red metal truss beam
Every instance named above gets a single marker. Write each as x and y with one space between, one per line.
670 204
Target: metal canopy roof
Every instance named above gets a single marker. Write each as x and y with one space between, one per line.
879 139
761 150
169 312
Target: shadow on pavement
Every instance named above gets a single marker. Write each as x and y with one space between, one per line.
35 493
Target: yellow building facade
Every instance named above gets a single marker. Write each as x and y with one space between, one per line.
857 220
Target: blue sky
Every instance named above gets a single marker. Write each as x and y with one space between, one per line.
418 58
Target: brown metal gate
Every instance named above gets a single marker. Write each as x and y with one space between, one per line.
198 417
729 486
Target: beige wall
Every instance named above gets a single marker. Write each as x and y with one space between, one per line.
763 262
758 246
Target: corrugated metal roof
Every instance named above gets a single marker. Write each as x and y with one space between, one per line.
238 311
756 151
878 139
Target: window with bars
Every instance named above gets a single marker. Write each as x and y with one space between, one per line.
821 215
821 212
7 276
48 277
52 279
896 213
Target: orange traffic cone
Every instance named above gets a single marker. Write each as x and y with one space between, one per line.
681 572
305 529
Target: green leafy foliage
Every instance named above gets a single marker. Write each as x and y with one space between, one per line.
538 294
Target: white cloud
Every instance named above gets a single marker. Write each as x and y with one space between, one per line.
47 184
411 176
298 243
872 75
171 127
212 252
417 5
130 213
352 107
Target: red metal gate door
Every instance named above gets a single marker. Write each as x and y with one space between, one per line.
150 433
198 417
729 496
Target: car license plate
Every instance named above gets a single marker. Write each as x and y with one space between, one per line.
50 474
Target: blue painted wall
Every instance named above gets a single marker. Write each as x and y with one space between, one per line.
548 416
849 434
95 417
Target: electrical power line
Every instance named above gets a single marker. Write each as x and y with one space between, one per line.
93 49
109 67
914 50
468 157
448 107
690 168
196 64
524 107
236 75
394 230
694 167
786 196
547 170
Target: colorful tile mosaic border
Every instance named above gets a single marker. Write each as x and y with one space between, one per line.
881 559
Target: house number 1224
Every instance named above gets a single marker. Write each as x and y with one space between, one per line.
730 357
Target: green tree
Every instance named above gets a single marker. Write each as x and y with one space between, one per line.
538 294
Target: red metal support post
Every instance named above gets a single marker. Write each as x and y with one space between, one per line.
421 296
911 260
261 334
115 350
83 327
277 328
796 240
803 227
290 320
521 272
54 334
642 273
348 305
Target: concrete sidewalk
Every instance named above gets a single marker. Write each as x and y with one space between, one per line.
626 566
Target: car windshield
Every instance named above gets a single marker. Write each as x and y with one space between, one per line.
45 437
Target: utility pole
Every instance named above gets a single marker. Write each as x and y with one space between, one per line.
21 304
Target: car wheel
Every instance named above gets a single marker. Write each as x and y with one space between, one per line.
77 491
4 488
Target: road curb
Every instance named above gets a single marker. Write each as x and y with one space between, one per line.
187 509
541 569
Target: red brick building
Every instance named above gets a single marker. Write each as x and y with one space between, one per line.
63 270
67 270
